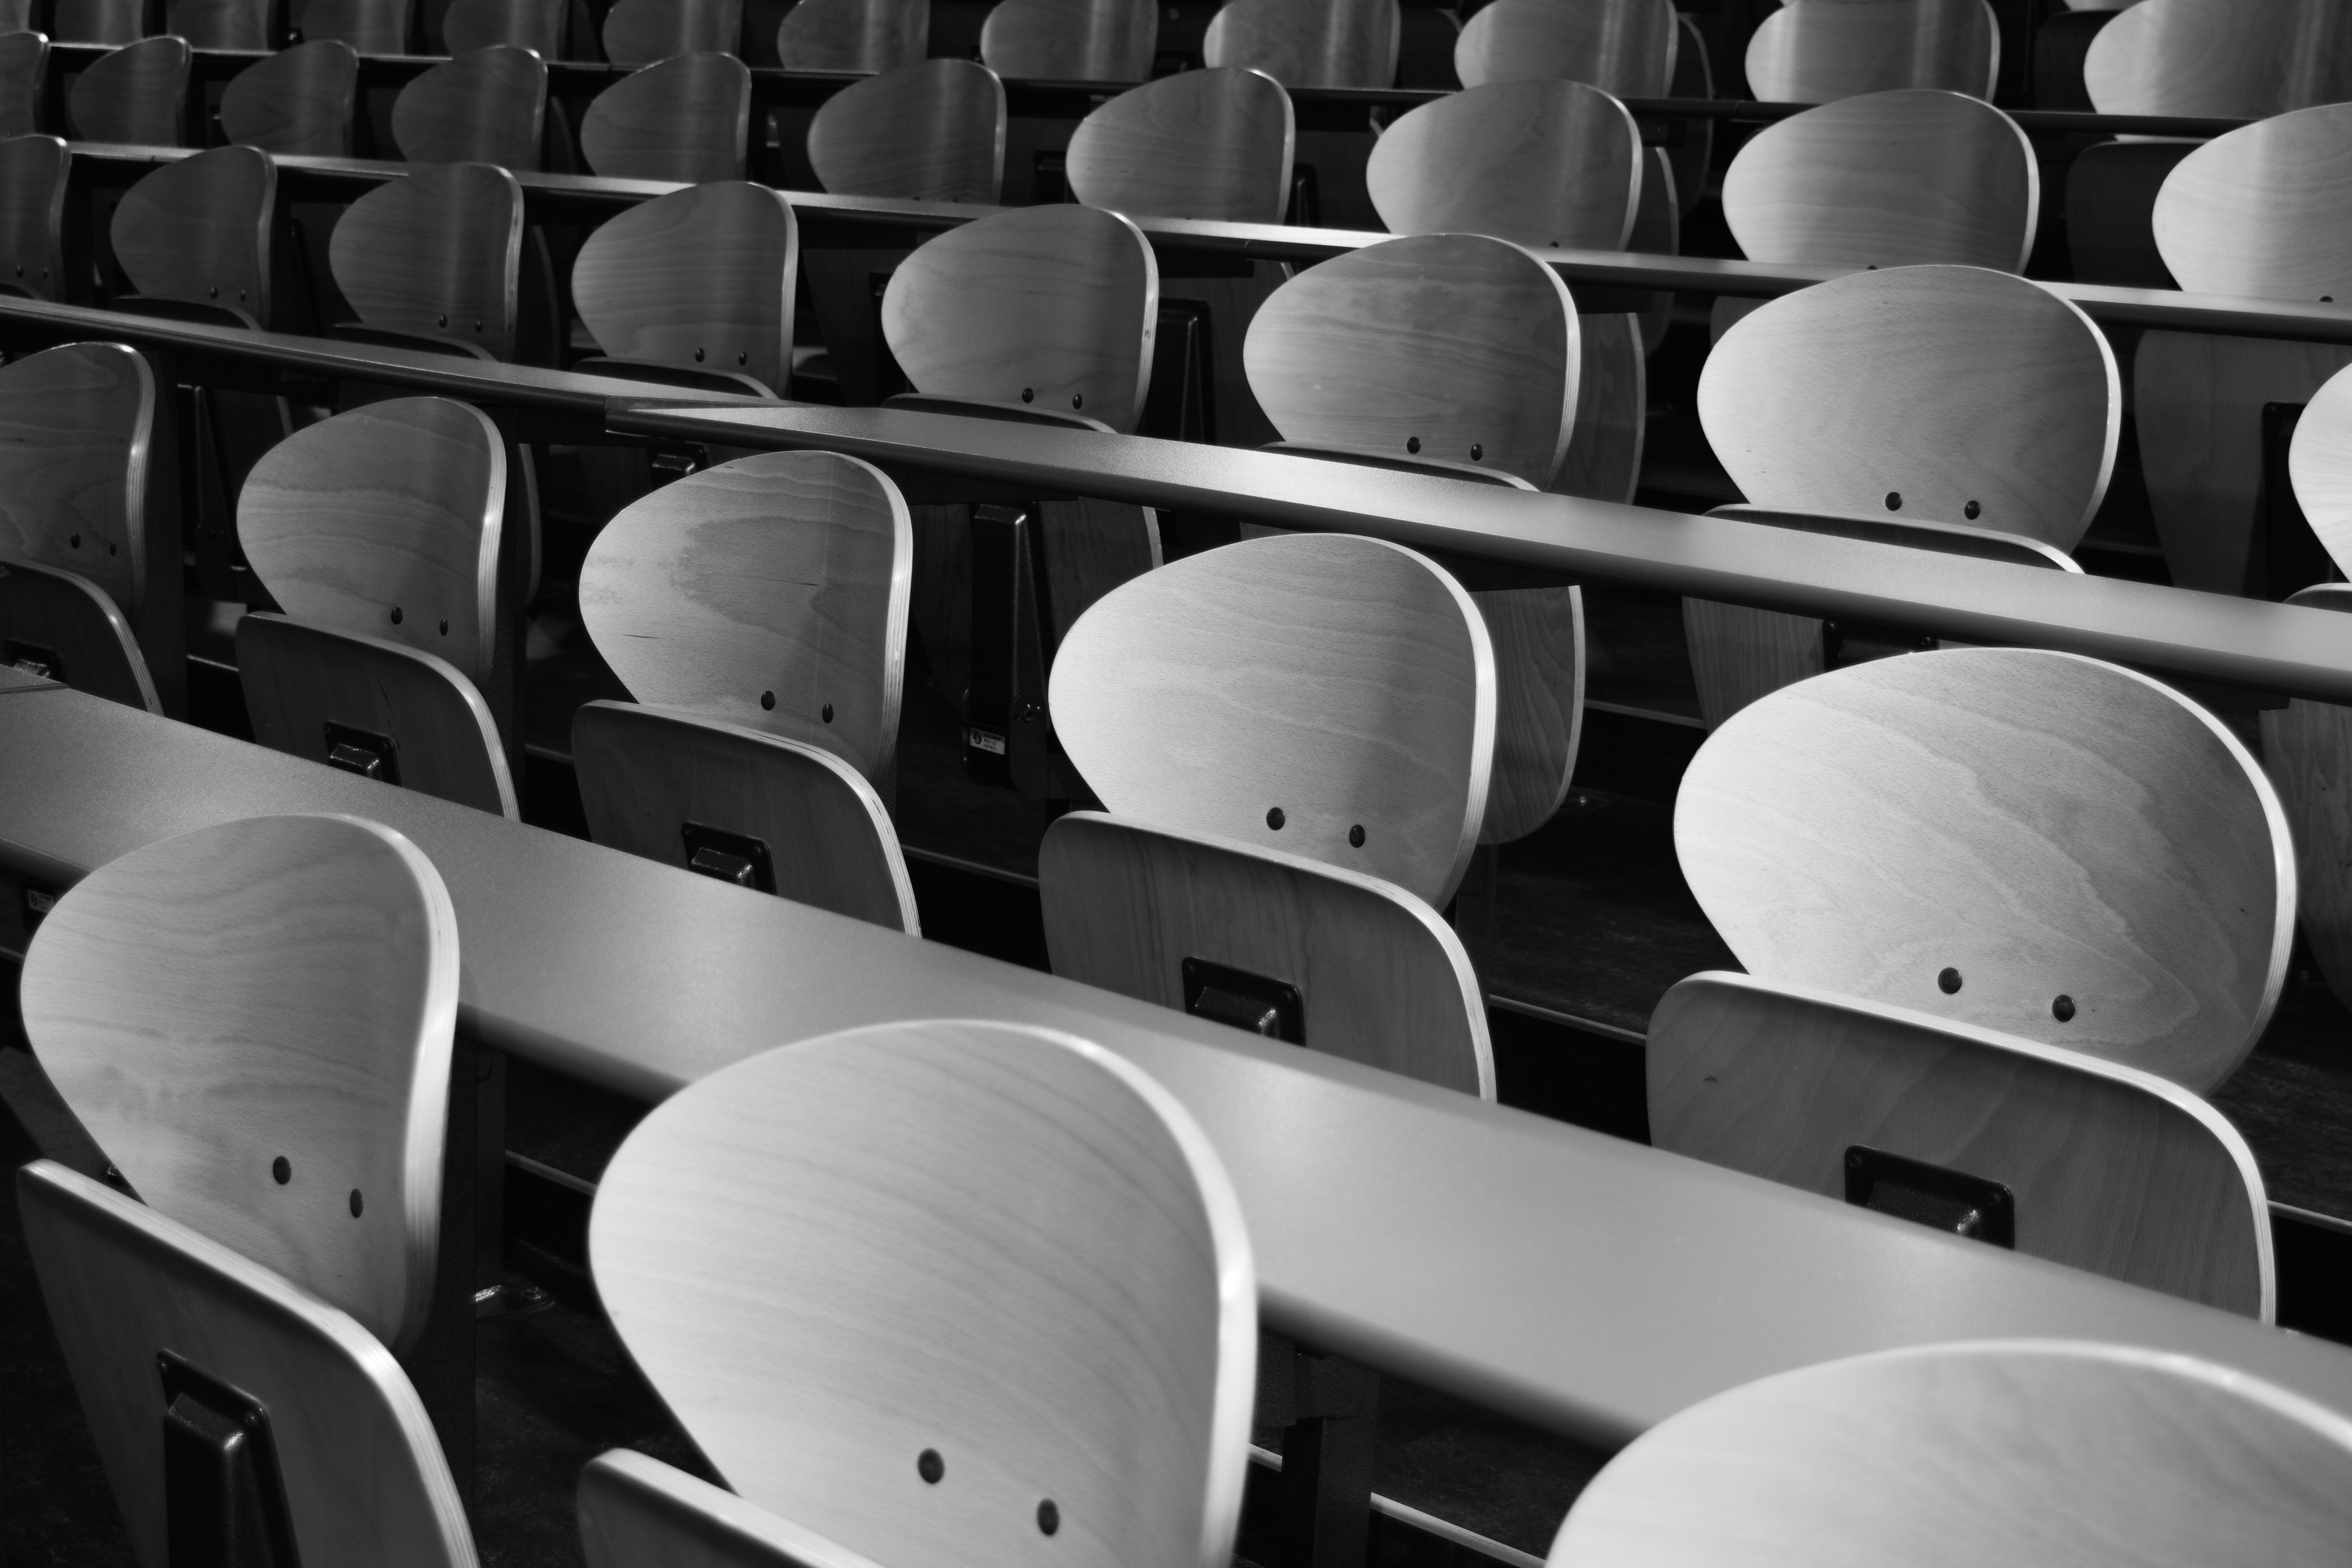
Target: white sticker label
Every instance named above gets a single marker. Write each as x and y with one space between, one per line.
981 740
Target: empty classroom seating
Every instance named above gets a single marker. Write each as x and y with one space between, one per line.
24 71
696 286
1625 48
32 215
298 101
1071 40
1813 51
369 27
930 131
2223 57
1208 144
458 292
487 107
864 36
645 32
534 25
688 119
1308 43
195 237
138 95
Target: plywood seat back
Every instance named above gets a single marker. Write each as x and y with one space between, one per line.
1071 40
486 107
272 994
2030 842
23 73
2262 210
2227 59
369 27
1327 696
865 36
434 254
688 119
198 230
298 101
1624 48
700 278
219 24
2007 1451
75 427
635 1510
1815 51
137 95
985 1253
2319 465
645 32
1212 144
32 209
534 25
113 23
933 130
1308 43
62 627
1539 162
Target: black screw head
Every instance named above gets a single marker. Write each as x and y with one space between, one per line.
395 615
445 625
2063 1008
357 1202
442 321
282 1169
1273 817
743 359
1049 1518
1028 395
1949 981
1077 400
213 292
1972 511
697 356
930 1465
1895 500
767 699
1412 443
1356 837
825 713
75 541
1477 450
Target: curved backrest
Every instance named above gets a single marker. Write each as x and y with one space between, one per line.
1450 346
2261 211
645 32
923 1229
198 230
1539 162
23 73
1813 51
1071 40
534 25
487 107
2247 58
32 210
75 423
435 253
2028 842
1951 394
219 24
2319 465
1204 145
688 119
370 26
1308 43
297 101
1328 695
700 277
770 592
2106 1168
386 521
930 131
635 1510
254 1021
137 95
62 627
869 35
1888 179
110 22
2007 1451
1624 48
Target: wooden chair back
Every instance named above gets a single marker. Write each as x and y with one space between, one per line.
867 35
76 428
17 16
435 253
1212 144
198 231
113 23
297 102
1539 162
635 1510
701 278
2319 465
254 1021
688 119
534 25
646 32
2260 211
32 209
1626 48
62 627
219 24
1902 178
1377 975
369 27
1308 43
1953 1453
930 131
1327 696
2106 1168
1071 40
2024 841
2228 58
137 95
487 107
23 73
1815 51
929 1205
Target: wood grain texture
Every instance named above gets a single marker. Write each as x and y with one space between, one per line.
198 230
278 987
1888 179
364 1474
72 618
932 132
1604 459
297 102
865 36
1071 40
1623 47
1451 346
700 278
1967 1455
2307 751
135 95
1050 307
1341 681
1952 393
369 27
1381 980
646 32
219 24
435 253
76 423
386 521
487 107
647 772
770 592
2226 58
688 119
2319 466
1213 144
2261 211
1541 162
32 204
17 16
2115 1171
1538 639
2043 824
1000 1244
635 1510
299 678
1308 43
1815 51
110 22
24 71
534 25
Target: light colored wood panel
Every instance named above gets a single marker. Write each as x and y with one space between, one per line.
2319 465
1447 346
2118 1172
1604 459
1213 144
275 988
1625 48
2261 211
1541 162
931 131
75 423
688 119
32 201
1962 1456
534 25
1888 179
998 1244
370 26
110 22
135 95
24 71
198 230
646 32
435 253
1814 51
634 1510
770 592
1326 683
2248 58
867 35
386 521
2039 825
219 24
1071 40
1539 638
298 101
487 107
300 679
699 279
71 618
1308 43
1050 307
1738 654
647 772
2308 751
1949 394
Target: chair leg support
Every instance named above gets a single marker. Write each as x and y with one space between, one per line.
1325 1506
